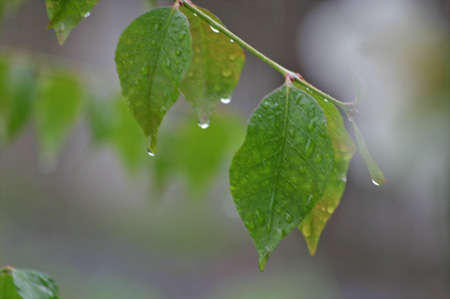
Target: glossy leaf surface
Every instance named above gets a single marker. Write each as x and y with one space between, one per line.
64 15
344 149
26 284
59 101
282 169
215 69
153 54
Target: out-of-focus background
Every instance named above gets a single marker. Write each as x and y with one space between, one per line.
105 231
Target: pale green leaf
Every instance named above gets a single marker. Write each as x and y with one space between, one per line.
215 69
59 101
282 169
64 15
153 54
344 149
26 284
375 172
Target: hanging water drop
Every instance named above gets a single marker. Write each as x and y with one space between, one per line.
86 15
150 153
203 123
214 29
309 148
311 125
288 218
375 183
144 69
225 100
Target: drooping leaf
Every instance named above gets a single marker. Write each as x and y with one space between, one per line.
344 149
26 284
282 169
102 116
215 69
64 15
20 91
153 54
375 172
58 104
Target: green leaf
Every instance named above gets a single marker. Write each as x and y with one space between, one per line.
60 97
102 116
216 67
153 54
375 172
282 169
344 149
64 15
127 138
26 284
21 92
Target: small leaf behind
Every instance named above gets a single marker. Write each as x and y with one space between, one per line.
344 149
216 66
375 172
59 101
64 15
153 54
282 169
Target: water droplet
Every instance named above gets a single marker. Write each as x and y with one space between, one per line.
288 218
168 63
195 14
150 153
153 43
144 69
231 40
375 183
197 50
265 105
259 217
311 125
214 29
226 73
302 169
309 148
178 52
181 36
308 201
319 158
232 57
225 100
86 15
191 74
203 123
263 261
306 229
325 100
292 132
330 210
157 27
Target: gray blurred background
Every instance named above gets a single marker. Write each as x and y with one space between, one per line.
101 233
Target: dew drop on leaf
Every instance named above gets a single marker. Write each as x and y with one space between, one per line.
214 29
86 15
225 100
259 217
203 123
309 148
311 125
150 153
232 57
288 218
181 36
375 183
227 73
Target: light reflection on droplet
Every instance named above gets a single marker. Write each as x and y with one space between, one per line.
87 15
225 100
214 29
204 124
375 183
150 153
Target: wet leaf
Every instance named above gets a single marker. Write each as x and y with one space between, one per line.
215 69
26 284
344 149
64 15
153 54
59 102
282 169
375 172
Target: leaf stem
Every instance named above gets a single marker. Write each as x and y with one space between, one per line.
346 107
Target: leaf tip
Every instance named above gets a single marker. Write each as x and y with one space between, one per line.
151 145
263 258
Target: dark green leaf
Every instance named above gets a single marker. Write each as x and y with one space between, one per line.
64 15
215 69
58 104
26 284
344 149
282 169
153 54
375 172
